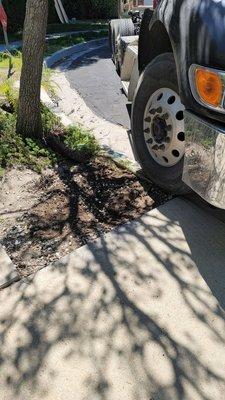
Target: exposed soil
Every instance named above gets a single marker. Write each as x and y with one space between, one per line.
44 217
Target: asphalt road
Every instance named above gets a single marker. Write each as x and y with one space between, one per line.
95 78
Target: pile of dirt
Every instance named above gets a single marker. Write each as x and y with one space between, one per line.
54 213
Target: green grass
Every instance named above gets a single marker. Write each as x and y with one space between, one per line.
78 26
47 82
2 171
15 58
6 85
61 28
8 94
79 139
16 150
67 41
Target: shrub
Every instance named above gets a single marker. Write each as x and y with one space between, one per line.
77 138
50 121
14 150
8 94
92 9
16 13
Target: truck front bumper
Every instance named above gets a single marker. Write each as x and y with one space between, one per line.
204 163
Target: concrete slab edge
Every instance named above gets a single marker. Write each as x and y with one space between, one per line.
8 272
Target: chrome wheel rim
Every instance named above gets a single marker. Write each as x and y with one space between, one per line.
163 127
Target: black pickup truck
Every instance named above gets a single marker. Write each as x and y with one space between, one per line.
170 55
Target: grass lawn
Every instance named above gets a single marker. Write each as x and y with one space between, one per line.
16 60
51 47
78 26
60 28
57 44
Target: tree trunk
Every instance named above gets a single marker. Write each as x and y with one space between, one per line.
29 113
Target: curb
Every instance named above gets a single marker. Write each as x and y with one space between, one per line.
8 273
69 51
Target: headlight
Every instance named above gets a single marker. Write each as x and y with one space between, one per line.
208 86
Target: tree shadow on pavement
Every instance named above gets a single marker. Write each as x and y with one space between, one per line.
127 316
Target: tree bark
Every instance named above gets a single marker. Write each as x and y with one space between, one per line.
35 25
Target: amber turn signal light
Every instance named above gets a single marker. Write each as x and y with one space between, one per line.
209 86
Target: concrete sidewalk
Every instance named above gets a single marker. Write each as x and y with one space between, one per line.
137 315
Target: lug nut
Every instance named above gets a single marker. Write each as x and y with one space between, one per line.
159 110
148 119
152 111
147 130
169 128
165 116
155 147
149 141
162 147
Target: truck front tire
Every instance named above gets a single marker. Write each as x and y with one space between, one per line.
158 125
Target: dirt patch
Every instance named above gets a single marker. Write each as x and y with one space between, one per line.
44 217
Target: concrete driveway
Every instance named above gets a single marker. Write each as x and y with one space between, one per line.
136 315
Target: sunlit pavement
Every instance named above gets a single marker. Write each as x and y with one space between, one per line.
136 315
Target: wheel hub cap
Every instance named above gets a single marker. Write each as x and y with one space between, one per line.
159 129
164 127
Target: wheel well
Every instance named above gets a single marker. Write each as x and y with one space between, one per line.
153 43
